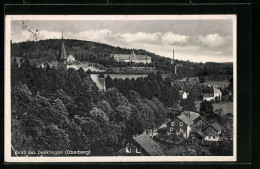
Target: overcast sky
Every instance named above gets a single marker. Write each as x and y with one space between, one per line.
194 40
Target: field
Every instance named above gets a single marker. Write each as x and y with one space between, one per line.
227 107
124 76
85 66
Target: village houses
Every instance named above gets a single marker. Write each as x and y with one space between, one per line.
191 122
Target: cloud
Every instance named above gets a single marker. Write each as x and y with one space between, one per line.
49 35
171 38
141 37
213 40
193 48
91 35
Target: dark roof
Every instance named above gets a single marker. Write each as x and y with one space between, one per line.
216 126
185 119
200 133
150 146
203 119
62 53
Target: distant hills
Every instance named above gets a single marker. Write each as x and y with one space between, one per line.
100 53
81 50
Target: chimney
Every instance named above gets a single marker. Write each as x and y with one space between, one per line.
173 55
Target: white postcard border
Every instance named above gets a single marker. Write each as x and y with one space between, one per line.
7 94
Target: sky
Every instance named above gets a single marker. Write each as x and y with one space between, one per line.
199 40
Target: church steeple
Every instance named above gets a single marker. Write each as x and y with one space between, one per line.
62 52
62 57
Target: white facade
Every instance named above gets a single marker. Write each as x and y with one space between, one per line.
212 138
71 59
183 95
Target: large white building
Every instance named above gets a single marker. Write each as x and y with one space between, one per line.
132 58
215 93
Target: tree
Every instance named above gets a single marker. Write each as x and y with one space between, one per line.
188 105
206 107
89 71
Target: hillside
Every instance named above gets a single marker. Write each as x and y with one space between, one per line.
99 53
81 50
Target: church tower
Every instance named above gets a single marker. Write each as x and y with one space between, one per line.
62 57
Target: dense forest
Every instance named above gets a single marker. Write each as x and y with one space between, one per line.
56 110
100 53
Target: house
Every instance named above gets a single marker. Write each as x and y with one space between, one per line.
180 125
71 59
211 93
184 124
183 94
212 132
201 124
132 58
206 131
191 122
141 145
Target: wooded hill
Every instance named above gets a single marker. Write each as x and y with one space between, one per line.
99 53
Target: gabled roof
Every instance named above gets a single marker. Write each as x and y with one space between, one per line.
201 134
216 126
203 119
150 146
216 90
192 115
185 119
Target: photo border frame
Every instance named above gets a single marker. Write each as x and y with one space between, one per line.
243 49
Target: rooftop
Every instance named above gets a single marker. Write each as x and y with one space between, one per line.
185 119
216 126
192 115
150 146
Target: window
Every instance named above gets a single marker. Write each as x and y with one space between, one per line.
128 149
181 123
171 129
172 123
181 130
138 150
